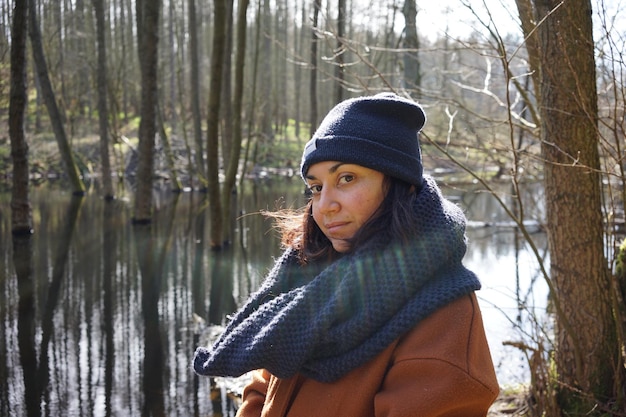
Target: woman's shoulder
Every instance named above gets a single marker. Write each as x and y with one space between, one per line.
442 366
453 334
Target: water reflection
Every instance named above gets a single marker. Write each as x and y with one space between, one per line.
22 258
100 318
108 270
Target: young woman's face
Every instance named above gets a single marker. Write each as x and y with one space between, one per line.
344 197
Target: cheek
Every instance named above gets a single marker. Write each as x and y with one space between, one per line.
369 205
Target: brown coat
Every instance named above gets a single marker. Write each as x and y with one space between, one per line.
440 368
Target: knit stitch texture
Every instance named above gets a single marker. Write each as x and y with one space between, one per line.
379 132
325 321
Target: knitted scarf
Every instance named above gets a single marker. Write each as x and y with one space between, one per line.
324 321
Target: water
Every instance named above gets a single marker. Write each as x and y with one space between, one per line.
104 317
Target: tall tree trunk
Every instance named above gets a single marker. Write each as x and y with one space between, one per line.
297 77
265 99
182 103
21 217
317 5
253 87
226 133
147 34
589 365
172 65
196 116
217 62
280 78
82 86
339 52
123 70
103 112
78 188
60 33
411 45
232 164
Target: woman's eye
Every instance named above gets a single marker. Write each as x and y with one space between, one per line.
346 178
315 189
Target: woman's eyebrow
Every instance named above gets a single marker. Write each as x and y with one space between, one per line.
335 167
331 170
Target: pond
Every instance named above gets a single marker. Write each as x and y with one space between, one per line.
101 318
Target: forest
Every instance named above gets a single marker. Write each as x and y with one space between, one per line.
198 95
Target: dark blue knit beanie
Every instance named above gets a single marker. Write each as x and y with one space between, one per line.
378 132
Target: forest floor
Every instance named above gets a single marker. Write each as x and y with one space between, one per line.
511 404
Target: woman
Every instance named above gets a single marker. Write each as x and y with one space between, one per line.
369 311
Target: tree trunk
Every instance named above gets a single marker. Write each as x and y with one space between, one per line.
339 61
297 77
411 45
280 68
103 112
265 87
59 75
588 357
147 34
226 133
123 70
82 87
217 62
233 164
78 188
253 88
196 116
21 216
317 4
172 66
190 155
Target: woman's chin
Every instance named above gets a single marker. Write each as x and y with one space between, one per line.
340 245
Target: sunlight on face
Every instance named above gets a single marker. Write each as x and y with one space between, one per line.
344 197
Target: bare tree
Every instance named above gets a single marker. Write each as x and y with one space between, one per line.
226 115
147 17
339 52
298 46
317 5
21 217
103 112
589 362
56 119
584 372
194 96
253 100
411 45
217 63
232 165
267 66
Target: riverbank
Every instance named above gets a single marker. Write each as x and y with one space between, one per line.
510 403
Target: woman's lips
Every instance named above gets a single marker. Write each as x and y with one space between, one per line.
334 226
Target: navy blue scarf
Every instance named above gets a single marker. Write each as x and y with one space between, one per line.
325 321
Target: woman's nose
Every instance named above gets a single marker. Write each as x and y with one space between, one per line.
327 202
